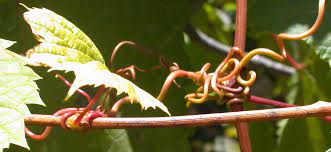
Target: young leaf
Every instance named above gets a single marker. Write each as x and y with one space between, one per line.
65 47
17 88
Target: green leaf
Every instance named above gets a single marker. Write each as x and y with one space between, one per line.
64 47
324 49
17 88
100 140
119 140
52 28
308 132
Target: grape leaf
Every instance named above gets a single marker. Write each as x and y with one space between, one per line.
65 47
17 88
324 49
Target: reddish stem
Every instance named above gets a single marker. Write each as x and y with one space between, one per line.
239 41
48 129
132 68
229 89
266 101
294 63
122 43
284 36
117 105
41 136
86 95
240 33
89 106
162 60
172 76
242 130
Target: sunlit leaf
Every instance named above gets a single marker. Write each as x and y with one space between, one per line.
4 44
64 47
17 88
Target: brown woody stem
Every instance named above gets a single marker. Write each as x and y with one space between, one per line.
266 101
318 109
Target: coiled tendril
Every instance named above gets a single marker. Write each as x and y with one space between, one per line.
226 82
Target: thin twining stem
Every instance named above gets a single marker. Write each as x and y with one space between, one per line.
116 106
138 47
122 43
49 128
217 78
285 36
89 106
130 71
259 51
271 102
86 95
201 78
313 29
61 113
213 45
220 67
173 75
252 77
203 98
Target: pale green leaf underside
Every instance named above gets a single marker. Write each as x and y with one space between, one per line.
17 88
64 47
